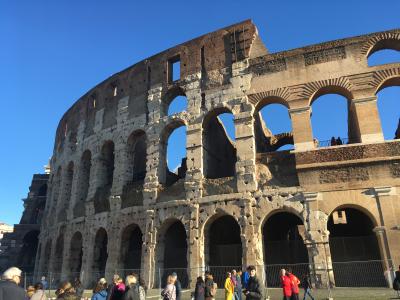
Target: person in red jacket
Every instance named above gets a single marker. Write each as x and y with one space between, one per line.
286 284
295 285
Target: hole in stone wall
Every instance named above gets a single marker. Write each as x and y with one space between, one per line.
174 69
105 178
27 254
176 155
131 249
100 255
178 104
76 254
83 184
389 112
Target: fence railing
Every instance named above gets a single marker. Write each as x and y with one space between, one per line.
339 280
333 142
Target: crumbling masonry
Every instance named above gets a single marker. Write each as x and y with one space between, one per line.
114 206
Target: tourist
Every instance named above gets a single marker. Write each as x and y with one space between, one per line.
118 290
229 287
133 290
239 284
396 282
178 286
339 141
306 284
333 141
66 292
30 291
245 277
78 287
295 285
39 294
253 291
199 291
169 292
111 286
100 290
142 283
233 278
9 288
44 282
210 287
397 133
286 285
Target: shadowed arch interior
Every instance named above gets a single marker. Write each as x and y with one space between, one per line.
76 254
131 249
105 177
100 254
27 255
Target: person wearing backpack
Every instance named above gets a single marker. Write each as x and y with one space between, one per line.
210 287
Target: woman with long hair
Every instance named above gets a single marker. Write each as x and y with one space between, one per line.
169 292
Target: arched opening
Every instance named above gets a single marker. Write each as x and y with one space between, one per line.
136 169
55 190
75 255
333 117
172 251
67 186
58 258
131 250
271 121
223 247
354 248
284 246
219 149
27 254
83 184
388 106
105 178
178 104
100 254
385 51
174 146
46 258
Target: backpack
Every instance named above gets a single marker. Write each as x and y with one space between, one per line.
396 284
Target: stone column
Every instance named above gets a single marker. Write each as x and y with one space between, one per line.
65 267
194 154
87 257
113 252
380 232
246 151
301 126
195 266
368 121
151 183
148 251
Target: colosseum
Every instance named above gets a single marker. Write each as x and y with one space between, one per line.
113 205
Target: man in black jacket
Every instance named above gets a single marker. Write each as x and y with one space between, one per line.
253 290
9 288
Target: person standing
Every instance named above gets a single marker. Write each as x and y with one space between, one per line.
286 285
39 294
178 286
295 285
396 282
245 277
100 291
233 278
210 287
66 292
199 290
229 287
78 287
9 288
133 289
253 291
111 286
169 292
239 284
306 284
44 282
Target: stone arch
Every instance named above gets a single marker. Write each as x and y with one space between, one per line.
75 255
393 80
46 257
352 238
58 257
131 249
223 248
27 254
172 250
219 151
56 188
105 177
67 188
100 254
83 184
174 92
383 41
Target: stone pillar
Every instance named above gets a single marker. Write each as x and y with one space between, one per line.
301 126
113 251
151 182
367 118
74 187
148 251
120 164
194 154
245 151
195 265
87 257
380 232
65 267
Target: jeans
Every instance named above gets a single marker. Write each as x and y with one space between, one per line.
307 292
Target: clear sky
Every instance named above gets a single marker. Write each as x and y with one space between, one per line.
52 52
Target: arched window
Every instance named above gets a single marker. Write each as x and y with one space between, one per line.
100 254
385 51
178 104
219 149
105 178
66 196
131 249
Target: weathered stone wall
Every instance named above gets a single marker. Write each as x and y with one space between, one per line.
225 71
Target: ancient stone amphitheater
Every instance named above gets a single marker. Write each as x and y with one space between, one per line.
114 206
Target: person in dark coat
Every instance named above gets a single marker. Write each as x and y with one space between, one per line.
306 284
134 291
396 282
178 286
9 288
199 290
210 290
253 290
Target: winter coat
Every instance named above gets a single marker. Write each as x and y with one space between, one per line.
286 284
199 291
178 287
246 277
117 292
39 295
10 290
101 295
169 292
134 292
229 289
209 285
253 291
238 283
295 283
396 281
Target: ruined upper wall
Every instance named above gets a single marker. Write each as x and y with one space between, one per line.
211 54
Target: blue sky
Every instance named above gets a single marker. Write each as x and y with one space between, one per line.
52 52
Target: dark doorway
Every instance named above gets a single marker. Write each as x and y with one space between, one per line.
26 259
76 253
100 254
131 250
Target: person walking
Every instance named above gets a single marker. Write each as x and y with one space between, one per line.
229 287
178 286
44 282
199 290
245 278
306 284
39 294
253 290
169 292
100 291
295 285
133 290
210 287
286 285
239 285
9 288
